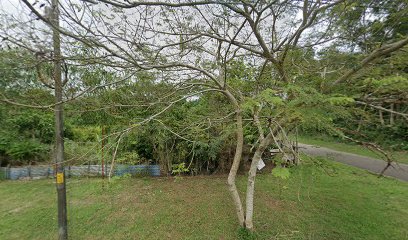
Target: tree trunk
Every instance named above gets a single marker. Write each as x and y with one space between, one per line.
281 71
381 117
59 126
102 152
251 180
392 114
237 159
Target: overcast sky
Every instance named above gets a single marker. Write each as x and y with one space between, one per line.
11 6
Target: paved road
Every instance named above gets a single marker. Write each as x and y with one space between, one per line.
399 170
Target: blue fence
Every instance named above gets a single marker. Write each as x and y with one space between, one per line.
152 170
37 172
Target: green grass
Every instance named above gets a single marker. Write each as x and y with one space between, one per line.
2 175
332 201
399 156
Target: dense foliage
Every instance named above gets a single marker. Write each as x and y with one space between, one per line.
196 131
295 90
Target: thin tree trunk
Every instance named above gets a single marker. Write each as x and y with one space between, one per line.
392 114
282 72
360 122
265 142
237 159
102 152
112 166
381 117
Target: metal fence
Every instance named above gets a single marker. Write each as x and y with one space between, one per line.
38 172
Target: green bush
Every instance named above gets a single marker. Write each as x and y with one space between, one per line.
27 150
33 124
86 134
78 153
179 168
131 158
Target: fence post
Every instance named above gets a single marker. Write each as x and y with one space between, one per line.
8 171
29 170
89 168
48 171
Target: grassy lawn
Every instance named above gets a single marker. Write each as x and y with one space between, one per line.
2 174
399 156
332 201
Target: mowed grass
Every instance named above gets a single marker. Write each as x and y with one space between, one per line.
398 156
323 200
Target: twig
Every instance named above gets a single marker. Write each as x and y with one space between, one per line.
113 158
375 147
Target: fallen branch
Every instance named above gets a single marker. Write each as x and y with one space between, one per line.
375 147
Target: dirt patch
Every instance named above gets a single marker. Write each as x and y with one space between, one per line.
20 209
265 199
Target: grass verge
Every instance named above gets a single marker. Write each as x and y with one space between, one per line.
320 200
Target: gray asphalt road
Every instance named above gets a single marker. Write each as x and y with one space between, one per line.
399 170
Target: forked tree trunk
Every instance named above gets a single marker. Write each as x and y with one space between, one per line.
237 159
265 142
